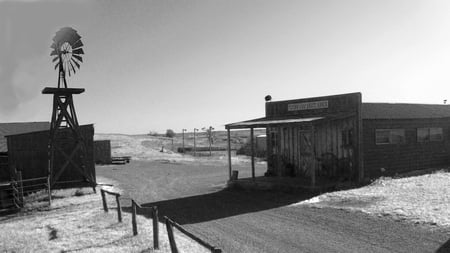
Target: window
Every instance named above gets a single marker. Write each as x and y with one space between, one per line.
389 136
430 134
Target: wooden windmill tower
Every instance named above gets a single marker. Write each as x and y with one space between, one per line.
65 140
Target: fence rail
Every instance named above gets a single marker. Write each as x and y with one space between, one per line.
134 207
173 246
154 214
18 191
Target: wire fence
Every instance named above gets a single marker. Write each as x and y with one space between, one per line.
170 224
18 192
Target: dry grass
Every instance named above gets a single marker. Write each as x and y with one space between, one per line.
77 223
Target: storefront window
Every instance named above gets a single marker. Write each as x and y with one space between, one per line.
390 136
429 134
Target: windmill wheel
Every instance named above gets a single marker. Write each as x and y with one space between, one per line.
67 50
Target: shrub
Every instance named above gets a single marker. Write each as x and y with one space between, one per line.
170 133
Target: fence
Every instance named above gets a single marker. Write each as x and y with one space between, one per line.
134 207
16 193
154 214
173 245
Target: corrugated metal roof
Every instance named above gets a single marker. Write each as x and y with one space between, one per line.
19 128
403 111
263 122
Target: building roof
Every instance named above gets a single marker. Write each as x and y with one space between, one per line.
265 122
7 129
404 111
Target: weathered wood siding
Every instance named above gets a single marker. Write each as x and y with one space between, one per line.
408 156
329 140
4 169
338 113
29 153
102 151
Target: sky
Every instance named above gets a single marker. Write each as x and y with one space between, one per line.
157 65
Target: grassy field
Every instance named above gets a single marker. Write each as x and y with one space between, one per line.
76 222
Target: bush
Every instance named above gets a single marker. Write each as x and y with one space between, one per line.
170 133
153 133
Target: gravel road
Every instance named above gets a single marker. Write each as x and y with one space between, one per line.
263 221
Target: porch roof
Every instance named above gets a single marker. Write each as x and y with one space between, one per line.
265 122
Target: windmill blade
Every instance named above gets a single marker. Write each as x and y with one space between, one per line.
77 44
67 34
55 59
78 51
76 63
57 64
54 52
79 58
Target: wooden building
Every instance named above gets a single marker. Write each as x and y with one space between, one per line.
102 151
7 129
28 152
337 138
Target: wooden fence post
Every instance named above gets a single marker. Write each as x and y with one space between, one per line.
173 244
133 217
19 178
105 206
119 209
155 228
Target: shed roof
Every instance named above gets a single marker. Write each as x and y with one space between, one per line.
19 128
265 122
404 111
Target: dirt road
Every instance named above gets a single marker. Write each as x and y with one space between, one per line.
263 221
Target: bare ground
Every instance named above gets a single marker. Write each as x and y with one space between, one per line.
262 221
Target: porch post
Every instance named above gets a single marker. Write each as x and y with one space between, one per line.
253 152
278 142
229 153
313 157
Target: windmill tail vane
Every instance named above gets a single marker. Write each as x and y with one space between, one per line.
67 53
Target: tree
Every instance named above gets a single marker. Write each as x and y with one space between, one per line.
209 134
170 133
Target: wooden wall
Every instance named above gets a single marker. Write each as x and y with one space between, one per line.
338 113
327 139
4 169
28 153
411 155
329 142
102 151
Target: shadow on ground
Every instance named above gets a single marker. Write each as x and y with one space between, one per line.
445 248
221 204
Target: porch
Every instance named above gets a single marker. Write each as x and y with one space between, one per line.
314 154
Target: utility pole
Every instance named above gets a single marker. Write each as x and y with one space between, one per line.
195 147
182 131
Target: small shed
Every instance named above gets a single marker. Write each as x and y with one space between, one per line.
102 151
7 129
340 138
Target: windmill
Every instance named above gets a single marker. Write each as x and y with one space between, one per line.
65 138
67 51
